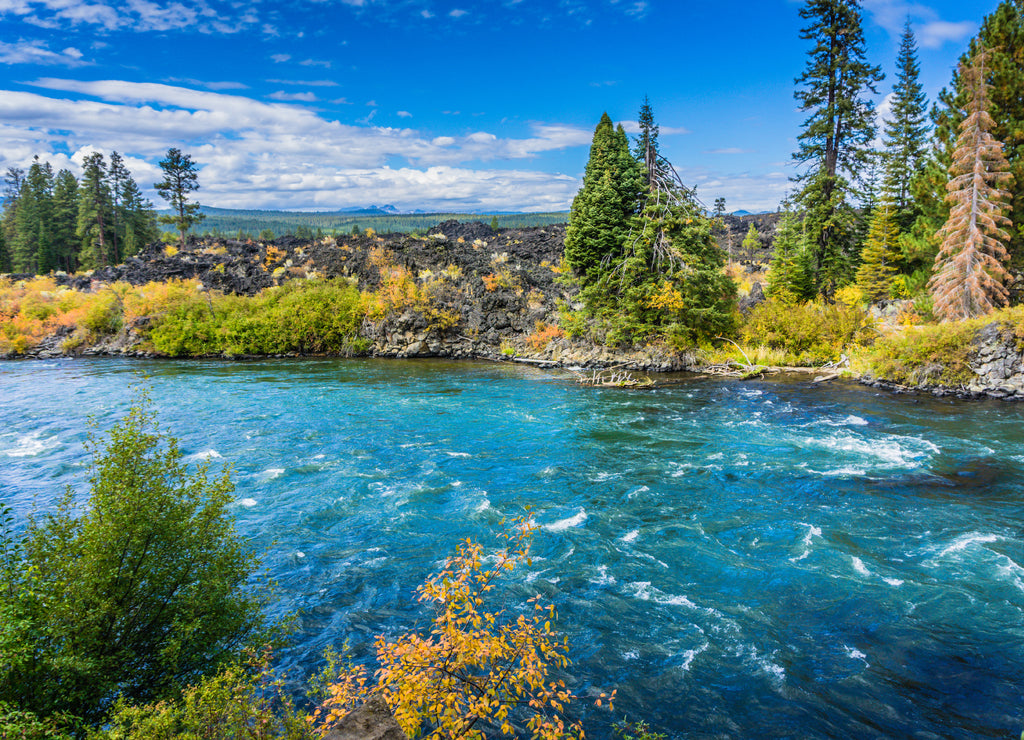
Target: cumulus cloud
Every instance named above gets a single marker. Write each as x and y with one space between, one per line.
404 114
272 154
36 52
458 13
931 31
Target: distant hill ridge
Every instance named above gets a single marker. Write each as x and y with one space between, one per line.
382 219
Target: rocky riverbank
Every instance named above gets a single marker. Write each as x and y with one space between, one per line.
498 293
989 365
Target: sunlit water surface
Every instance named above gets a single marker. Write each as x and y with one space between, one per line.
754 559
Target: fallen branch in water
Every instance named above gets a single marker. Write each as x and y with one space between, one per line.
612 378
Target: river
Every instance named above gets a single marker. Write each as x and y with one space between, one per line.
738 559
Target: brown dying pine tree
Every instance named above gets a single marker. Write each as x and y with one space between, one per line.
969 276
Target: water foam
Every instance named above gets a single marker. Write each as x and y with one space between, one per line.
858 565
32 445
855 654
962 542
631 535
568 523
809 535
208 454
247 502
270 474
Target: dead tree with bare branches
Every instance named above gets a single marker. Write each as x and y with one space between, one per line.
969 273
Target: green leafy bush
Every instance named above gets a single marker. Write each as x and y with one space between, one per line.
313 316
811 333
244 701
143 591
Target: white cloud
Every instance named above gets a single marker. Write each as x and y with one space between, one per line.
244 146
137 15
278 58
257 153
315 63
35 52
729 150
426 14
930 30
306 83
632 127
458 13
404 114
299 97
933 35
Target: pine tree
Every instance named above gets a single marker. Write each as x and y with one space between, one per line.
1002 34
647 147
834 145
5 257
94 212
117 177
752 241
32 248
906 132
139 219
789 278
599 218
877 271
13 179
65 221
969 269
180 178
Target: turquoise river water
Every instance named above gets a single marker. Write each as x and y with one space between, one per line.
755 559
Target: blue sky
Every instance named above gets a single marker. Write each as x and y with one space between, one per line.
431 104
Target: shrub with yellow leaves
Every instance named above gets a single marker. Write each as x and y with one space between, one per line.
475 667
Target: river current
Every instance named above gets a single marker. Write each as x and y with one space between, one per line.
738 559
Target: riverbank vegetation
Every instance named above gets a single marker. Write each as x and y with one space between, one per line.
141 615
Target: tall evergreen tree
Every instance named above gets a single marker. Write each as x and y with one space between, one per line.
906 132
834 147
33 249
117 177
94 212
181 178
65 221
13 179
599 219
969 269
1002 34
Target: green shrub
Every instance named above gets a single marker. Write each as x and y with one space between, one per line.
926 355
312 316
103 317
18 725
811 333
244 701
141 592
